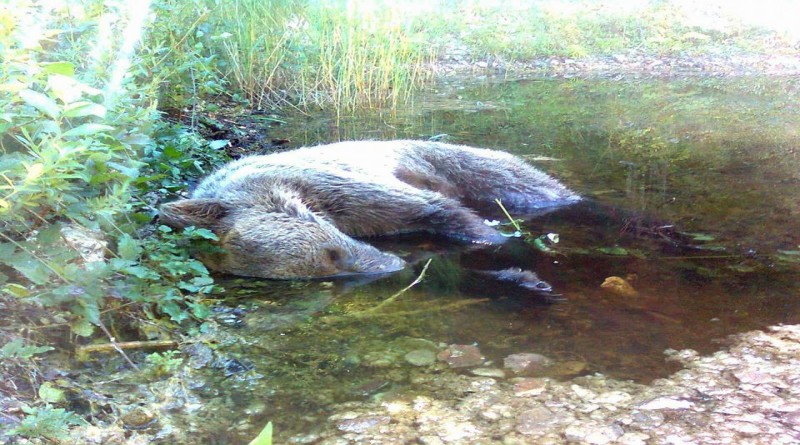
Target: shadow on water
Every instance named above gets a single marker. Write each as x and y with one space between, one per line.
694 198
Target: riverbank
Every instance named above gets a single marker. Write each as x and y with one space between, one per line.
746 393
624 65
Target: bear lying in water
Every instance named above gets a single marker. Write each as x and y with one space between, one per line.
293 214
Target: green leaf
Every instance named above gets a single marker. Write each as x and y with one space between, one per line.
130 172
216 145
32 268
128 248
172 152
174 311
91 310
616 250
41 102
16 290
700 237
87 129
63 68
264 437
83 108
50 394
51 423
200 233
540 244
141 272
82 327
17 349
789 256
200 310
6 250
50 235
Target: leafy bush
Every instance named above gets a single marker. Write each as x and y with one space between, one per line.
72 147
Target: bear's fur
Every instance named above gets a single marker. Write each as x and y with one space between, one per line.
292 214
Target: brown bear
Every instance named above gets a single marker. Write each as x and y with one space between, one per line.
293 214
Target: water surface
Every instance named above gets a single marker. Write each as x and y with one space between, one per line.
692 193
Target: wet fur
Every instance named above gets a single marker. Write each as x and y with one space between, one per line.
292 214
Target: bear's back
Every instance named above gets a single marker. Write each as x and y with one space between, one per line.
362 161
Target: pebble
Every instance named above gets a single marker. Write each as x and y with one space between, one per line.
666 403
529 387
362 424
454 431
633 438
613 398
534 421
489 372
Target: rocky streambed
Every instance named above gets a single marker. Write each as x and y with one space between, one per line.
748 393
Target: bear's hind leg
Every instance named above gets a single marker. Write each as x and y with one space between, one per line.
371 209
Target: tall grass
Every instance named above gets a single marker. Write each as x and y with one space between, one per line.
339 53
350 53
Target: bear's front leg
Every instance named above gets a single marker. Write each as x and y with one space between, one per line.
449 218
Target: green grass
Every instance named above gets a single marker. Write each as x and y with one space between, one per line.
309 54
361 53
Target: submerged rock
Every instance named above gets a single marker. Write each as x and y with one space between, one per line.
421 357
362 424
489 372
619 286
526 363
461 356
530 387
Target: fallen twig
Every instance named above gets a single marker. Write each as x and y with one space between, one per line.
85 350
397 295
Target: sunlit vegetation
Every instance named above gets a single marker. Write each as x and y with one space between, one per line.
85 146
522 30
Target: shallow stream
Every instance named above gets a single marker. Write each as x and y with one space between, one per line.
693 197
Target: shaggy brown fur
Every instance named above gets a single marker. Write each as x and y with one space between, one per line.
292 214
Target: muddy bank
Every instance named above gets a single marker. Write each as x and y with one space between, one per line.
746 393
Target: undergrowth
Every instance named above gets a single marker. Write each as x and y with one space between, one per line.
84 159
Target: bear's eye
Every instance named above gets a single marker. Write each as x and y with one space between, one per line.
334 255
338 257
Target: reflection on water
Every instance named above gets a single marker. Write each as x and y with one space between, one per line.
693 197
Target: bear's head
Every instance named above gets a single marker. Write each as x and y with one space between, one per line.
286 241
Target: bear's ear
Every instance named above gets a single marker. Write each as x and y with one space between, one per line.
194 212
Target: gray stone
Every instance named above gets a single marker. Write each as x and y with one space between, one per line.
526 362
362 424
530 387
489 372
421 357
534 421
461 356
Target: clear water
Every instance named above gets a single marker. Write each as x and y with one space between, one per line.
693 191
